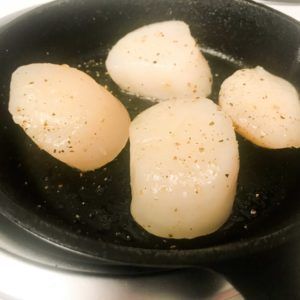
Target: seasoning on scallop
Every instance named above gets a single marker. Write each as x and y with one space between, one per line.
160 61
265 108
184 165
67 114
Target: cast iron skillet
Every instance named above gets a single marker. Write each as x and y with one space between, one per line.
89 213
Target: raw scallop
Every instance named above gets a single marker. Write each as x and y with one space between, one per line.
66 113
184 166
160 61
265 108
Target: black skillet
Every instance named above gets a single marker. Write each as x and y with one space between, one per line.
89 213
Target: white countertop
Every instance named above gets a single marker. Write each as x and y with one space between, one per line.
291 9
8 7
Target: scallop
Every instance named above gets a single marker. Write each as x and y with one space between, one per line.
67 114
265 108
184 166
160 61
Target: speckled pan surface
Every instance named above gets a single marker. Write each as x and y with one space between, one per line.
89 213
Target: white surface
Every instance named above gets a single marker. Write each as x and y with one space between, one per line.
10 6
7 6
293 10
29 282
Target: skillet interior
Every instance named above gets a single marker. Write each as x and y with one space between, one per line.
90 212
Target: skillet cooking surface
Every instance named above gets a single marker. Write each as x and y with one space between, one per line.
89 212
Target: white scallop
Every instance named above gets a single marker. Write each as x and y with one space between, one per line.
265 108
66 113
184 167
160 61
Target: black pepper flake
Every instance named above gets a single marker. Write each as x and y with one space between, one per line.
227 175
211 123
